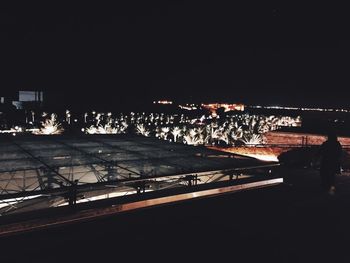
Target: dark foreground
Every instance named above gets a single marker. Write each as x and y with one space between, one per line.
294 222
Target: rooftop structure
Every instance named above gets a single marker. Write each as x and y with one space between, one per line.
38 172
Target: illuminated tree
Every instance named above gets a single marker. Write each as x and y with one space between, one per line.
176 132
252 139
141 129
50 126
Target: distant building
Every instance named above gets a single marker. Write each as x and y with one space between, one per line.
6 97
29 100
33 96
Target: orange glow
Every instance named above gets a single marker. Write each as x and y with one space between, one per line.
269 154
213 107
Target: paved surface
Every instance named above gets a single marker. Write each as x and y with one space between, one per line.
295 222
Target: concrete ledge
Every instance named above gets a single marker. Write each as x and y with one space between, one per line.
87 215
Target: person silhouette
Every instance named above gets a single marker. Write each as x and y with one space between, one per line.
331 153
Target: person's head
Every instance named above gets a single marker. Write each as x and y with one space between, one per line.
332 136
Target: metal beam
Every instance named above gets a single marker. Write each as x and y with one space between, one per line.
127 181
108 163
164 159
42 162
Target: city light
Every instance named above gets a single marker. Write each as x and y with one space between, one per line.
165 102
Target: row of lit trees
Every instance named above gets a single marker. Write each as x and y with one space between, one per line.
235 131
231 130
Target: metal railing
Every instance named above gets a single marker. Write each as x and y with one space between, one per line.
75 193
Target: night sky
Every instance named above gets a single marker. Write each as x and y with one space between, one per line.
139 51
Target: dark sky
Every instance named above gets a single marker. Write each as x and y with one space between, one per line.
188 51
